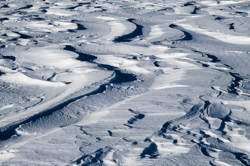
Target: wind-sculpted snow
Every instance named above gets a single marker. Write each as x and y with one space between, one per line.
130 36
124 82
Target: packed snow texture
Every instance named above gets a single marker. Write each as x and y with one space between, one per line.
109 82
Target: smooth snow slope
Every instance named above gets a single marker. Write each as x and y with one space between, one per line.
108 82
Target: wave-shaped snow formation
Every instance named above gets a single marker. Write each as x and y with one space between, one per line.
152 82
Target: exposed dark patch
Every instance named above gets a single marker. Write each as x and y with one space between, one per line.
135 118
214 58
191 3
186 101
175 142
134 143
3 19
52 76
205 65
204 134
123 77
168 9
165 126
108 67
84 3
125 140
147 139
231 26
227 118
222 127
44 11
220 93
173 26
74 21
14 39
219 18
80 27
26 7
128 126
85 132
156 63
23 36
228 66
130 36
206 104
240 123
82 56
233 87
195 10
135 58
37 19
110 133
242 158
79 5
1 73
132 111
4 6
73 7
9 57
188 36
150 151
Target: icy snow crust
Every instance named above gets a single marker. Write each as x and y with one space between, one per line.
107 82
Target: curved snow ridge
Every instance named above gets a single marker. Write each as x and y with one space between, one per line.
122 63
187 36
10 123
57 26
218 35
23 119
51 56
220 3
171 75
129 37
117 28
23 80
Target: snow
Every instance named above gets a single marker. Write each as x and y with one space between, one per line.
218 35
124 82
19 78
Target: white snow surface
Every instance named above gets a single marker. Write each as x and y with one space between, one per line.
121 83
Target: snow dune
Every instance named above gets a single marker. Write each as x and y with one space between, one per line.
124 82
